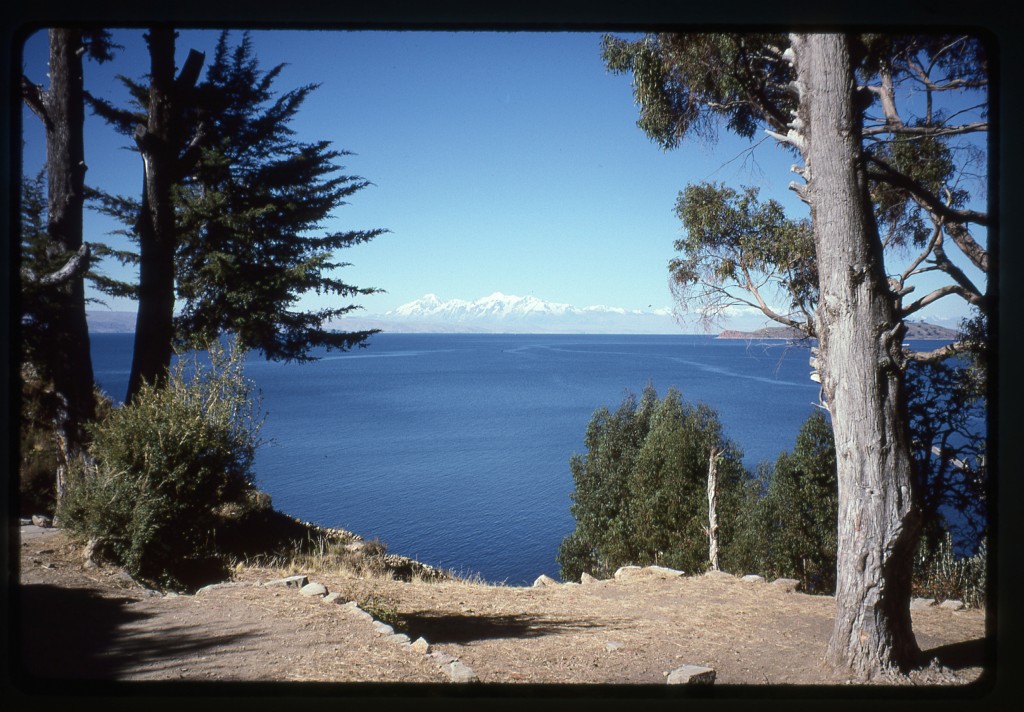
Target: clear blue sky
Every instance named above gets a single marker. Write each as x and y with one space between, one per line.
500 161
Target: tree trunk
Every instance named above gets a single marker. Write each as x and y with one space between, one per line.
713 508
154 327
71 363
860 334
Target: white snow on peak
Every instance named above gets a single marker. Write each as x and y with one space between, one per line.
529 314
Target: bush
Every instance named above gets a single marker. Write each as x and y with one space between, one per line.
170 469
940 574
641 489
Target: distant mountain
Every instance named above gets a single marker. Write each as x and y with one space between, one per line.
916 331
503 313
110 322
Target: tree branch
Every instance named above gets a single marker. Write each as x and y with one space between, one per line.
34 98
937 294
75 265
929 200
976 127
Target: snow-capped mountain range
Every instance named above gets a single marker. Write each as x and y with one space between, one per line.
505 313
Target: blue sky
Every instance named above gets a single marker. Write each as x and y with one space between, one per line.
500 162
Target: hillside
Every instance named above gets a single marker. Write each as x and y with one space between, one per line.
915 332
82 622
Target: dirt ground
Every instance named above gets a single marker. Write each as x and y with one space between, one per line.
80 623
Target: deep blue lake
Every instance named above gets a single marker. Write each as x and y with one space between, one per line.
454 449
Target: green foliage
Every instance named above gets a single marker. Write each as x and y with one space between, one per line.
795 523
251 214
169 468
641 489
735 243
689 83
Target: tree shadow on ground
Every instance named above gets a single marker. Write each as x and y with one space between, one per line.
957 656
79 634
463 628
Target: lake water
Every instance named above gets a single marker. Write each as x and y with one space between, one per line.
454 449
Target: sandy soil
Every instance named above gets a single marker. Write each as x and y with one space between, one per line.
80 623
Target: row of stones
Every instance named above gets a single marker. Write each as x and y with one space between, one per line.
786 584
456 670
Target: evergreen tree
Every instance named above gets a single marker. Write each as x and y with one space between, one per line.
251 205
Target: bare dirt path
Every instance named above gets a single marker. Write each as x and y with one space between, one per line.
80 623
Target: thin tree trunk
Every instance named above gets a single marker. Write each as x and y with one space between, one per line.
71 361
158 143
860 334
713 508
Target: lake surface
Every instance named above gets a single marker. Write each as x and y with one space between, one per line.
454 449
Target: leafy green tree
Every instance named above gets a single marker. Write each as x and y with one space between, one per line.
640 491
797 517
250 208
881 176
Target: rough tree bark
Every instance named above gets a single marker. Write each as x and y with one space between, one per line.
158 142
62 110
860 334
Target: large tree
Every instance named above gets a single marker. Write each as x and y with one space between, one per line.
883 179
56 260
248 204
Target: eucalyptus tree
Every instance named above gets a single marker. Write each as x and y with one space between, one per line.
248 207
641 488
886 181
55 259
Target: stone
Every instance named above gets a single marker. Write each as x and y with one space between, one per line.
624 571
786 584
289 582
398 638
921 603
719 574
313 589
587 578
459 672
333 597
420 645
544 580
665 570
952 605
215 586
443 658
383 628
41 520
612 645
691 675
752 578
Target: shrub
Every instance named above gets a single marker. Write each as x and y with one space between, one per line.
940 574
168 467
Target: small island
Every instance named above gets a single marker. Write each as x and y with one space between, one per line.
915 331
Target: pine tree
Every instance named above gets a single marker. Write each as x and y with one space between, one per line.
251 207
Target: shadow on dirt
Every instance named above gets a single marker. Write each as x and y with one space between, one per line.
466 628
957 656
79 634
